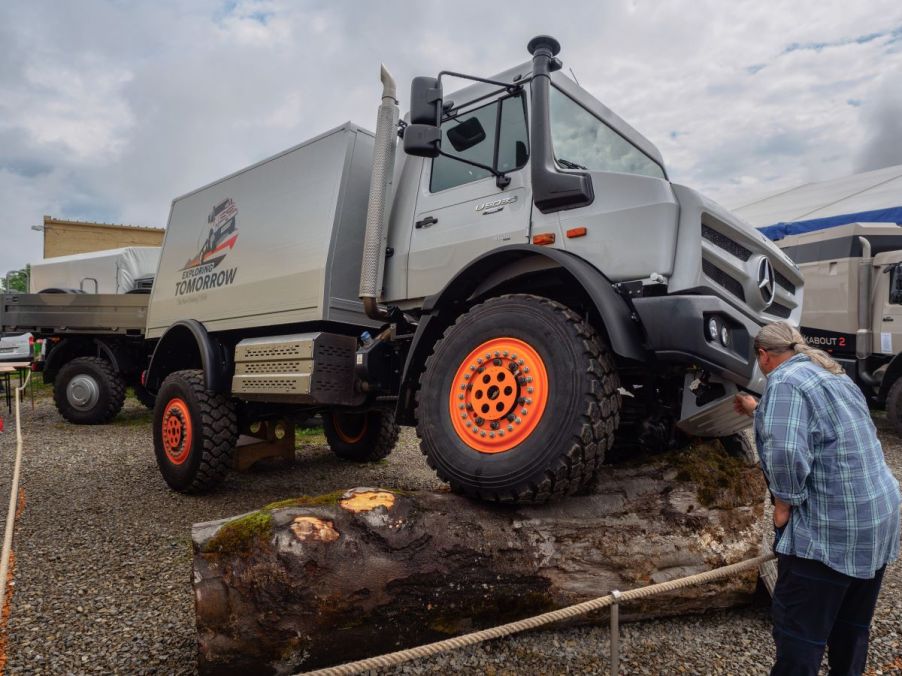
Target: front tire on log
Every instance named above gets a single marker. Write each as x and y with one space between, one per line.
361 437
194 433
88 391
519 401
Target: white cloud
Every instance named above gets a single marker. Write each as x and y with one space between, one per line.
112 109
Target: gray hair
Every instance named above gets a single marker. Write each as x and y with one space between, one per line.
782 337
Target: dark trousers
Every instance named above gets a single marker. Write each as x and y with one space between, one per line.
815 607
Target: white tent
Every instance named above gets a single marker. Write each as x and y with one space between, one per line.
868 197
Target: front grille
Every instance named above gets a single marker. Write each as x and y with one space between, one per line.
723 279
722 241
784 283
779 310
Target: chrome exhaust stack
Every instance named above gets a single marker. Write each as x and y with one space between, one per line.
373 262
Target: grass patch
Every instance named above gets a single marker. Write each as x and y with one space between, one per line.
241 534
140 418
244 533
721 480
307 501
309 436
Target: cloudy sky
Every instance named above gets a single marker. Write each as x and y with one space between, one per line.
109 109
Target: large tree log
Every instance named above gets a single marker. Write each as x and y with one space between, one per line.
318 581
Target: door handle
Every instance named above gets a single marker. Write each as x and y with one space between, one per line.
426 222
888 319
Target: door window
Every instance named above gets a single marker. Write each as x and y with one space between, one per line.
582 141
502 143
895 285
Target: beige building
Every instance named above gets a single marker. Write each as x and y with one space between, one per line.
62 237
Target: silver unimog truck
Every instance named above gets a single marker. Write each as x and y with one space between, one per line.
521 282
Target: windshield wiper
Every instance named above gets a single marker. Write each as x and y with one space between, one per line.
570 165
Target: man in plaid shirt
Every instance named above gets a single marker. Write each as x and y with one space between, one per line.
836 504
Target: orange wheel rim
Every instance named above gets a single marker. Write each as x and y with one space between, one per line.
177 431
498 395
353 437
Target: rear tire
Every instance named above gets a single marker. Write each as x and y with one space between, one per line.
194 433
145 397
361 437
894 406
88 391
545 436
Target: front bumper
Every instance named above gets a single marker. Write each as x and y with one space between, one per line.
676 330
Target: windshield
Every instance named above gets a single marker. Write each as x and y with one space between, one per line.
582 141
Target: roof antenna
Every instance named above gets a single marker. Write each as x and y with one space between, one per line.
574 76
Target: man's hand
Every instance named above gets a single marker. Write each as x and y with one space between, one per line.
781 513
745 404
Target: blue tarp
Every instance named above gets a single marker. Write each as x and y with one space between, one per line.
781 230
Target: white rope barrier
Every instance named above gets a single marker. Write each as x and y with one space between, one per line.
13 499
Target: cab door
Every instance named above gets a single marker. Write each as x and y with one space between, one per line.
888 308
461 212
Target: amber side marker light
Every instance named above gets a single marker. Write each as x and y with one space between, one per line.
576 232
544 238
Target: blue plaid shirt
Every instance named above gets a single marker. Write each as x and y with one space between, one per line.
820 453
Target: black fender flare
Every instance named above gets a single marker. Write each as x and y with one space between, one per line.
892 374
173 353
72 348
621 325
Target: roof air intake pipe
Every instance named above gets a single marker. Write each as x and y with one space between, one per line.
552 189
864 336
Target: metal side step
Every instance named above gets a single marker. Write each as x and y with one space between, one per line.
304 368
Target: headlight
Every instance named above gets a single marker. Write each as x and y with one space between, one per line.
713 328
724 336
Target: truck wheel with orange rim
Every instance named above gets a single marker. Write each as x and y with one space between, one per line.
361 436
519 401
194 433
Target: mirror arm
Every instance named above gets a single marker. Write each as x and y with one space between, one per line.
511 87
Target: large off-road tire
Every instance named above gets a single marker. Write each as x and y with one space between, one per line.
361 437
88 391
145 397
194 433
894 406
519 401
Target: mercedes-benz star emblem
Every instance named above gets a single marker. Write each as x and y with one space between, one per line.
766 281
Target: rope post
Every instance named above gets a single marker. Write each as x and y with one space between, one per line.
615 633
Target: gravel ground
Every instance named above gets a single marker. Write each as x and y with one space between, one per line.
103 560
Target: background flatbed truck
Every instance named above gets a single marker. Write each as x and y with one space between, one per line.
94 348
522 283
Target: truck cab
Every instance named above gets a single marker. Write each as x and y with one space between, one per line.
533 293
853 305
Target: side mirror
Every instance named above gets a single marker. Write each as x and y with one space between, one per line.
422 140
423 136
425 101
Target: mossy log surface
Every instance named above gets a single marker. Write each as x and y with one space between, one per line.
323 580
